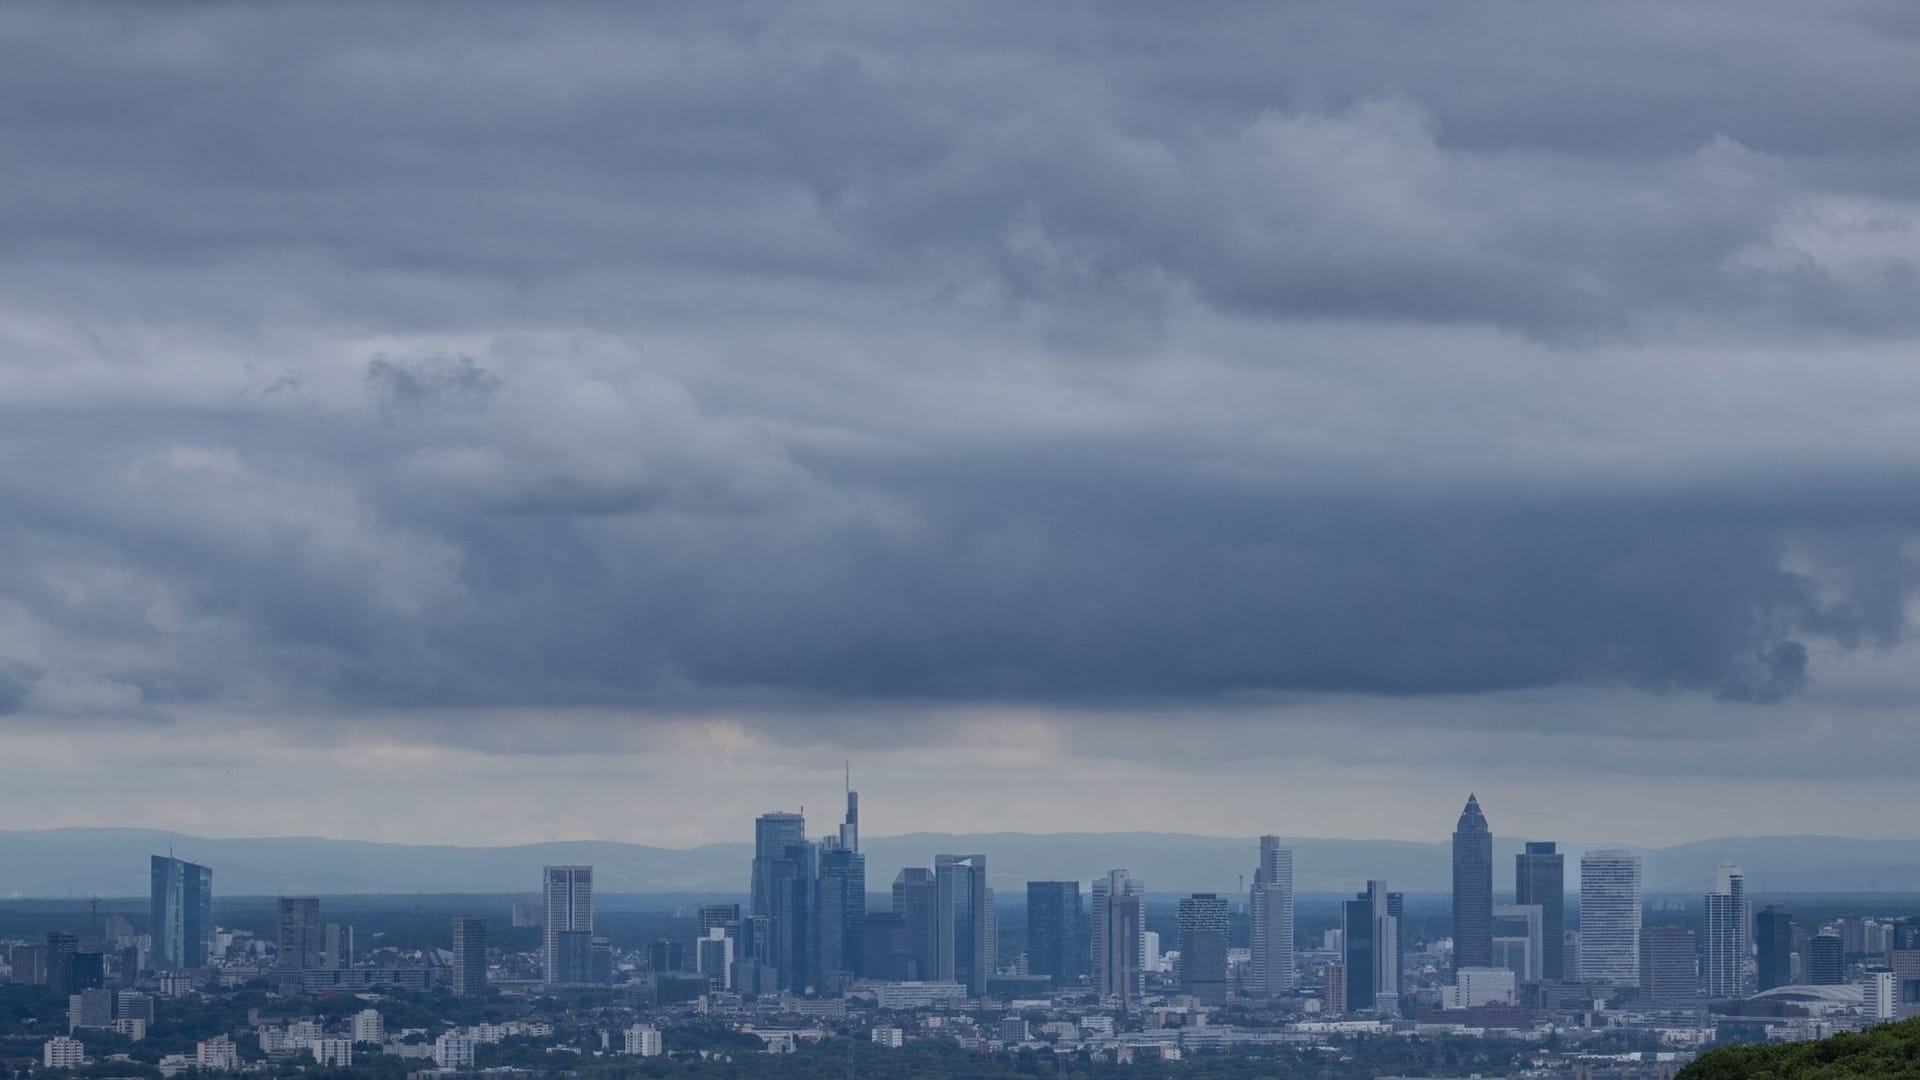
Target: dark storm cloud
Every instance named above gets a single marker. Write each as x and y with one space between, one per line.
1088 355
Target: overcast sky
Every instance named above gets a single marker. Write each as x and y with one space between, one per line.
498 423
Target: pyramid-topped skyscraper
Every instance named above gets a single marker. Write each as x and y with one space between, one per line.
1472 889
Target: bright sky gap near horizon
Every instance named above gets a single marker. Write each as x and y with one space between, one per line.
1079 418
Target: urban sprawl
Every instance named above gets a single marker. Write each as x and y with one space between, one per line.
1094 975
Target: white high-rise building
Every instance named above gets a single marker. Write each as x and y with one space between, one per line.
217 1054
451 1051
332 1053
1270 920
1723 935
368 1027
1879 996
63 1052
568 896
643 1040
1610 904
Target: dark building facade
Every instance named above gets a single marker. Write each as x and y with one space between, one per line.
1202 923
1826 960
181 909
300 938
1472 889
1773 941
1054 939
841 905
1540 878
1669 973
914 900
469 954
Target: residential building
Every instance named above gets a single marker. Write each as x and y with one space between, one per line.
299 941
1879 996
63 1052
643 1040
1723 936
469 955
455 1051
217 1054
332 1053
368 1027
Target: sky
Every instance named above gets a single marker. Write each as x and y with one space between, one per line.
485 423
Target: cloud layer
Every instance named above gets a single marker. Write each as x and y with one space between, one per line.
1301 368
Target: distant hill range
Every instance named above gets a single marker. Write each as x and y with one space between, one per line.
113 862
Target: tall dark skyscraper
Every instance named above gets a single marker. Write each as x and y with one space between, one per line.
914 900
469 955
1826 960
1472 889
773 834
1054 941
960 921
1540 878
1370 950
1773 936
63 949
841 898
1202 922
1119 932
795 937
301 936
182 912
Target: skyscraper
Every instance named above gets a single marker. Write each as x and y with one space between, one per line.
1773 936
1119 926
300 941
1472 889
1270 920
1540 878
568 939
914 900
1723 935
960 921
1668 966
469 955
773 834
1826 959
181 908
1053 930
1610 917
795 938
841 898
1202 922
1370 948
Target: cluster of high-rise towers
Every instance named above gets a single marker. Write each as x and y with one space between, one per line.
807 927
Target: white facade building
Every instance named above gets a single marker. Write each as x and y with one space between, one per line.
1879 997
643 1041
63 1052
217 1054
452 1051
368 1027
890 1037
1476 986
332 1052
1610 903
1270 920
